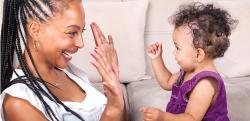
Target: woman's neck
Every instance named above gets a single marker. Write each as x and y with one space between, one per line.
42 67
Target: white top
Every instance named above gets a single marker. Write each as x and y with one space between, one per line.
90 109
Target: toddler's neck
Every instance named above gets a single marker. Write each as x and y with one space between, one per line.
206 65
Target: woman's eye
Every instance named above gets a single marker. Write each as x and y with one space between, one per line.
72 34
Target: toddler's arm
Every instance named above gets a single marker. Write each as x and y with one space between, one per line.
164 77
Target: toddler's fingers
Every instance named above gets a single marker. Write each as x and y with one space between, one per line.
142 109
160 46
155 47
151 50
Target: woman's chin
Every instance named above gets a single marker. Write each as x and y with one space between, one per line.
63 65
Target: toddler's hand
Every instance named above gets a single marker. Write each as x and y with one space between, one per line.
155 50
152 114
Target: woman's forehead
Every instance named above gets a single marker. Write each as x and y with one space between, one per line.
74 14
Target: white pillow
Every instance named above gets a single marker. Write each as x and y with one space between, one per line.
236 62
125 21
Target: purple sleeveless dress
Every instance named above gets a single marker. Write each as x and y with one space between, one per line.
179 99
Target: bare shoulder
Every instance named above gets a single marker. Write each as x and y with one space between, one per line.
201 98
207 84
206 88
17 109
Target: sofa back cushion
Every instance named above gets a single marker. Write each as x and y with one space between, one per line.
125 21
235 63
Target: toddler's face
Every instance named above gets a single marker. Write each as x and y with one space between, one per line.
185 52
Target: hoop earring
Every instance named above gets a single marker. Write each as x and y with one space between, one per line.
37 45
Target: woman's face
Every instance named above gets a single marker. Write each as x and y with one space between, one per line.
61 36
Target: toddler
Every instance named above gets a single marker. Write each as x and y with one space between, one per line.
201 35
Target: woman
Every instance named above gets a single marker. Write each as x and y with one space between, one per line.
41 89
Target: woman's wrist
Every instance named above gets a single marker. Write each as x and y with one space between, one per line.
114 113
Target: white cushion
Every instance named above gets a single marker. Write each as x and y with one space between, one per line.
146 93
125 21
235 63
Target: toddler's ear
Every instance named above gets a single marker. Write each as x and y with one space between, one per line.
200 55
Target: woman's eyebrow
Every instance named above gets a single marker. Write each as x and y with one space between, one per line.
74 26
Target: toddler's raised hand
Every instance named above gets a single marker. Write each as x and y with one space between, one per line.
155 50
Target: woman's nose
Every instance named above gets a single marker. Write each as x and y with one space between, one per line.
174 52
79 42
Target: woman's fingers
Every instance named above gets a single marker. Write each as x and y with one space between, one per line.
110 38
99 69
96 35
104 59
100 58
101 35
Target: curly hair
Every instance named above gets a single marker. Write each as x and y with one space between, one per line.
211 26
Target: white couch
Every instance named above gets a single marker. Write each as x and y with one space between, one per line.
125 21
136 24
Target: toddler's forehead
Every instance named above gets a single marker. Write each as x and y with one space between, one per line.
183 33
185 29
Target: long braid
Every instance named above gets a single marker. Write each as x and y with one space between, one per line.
6 34
11 41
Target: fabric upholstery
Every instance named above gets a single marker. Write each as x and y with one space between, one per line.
126 22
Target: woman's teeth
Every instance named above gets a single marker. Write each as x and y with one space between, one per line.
67 54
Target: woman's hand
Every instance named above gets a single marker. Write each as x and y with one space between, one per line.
106 63
155 50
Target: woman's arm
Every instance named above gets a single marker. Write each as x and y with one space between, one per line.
106 63
17 109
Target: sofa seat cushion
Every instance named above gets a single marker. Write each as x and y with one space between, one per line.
146 93
238 98
149 94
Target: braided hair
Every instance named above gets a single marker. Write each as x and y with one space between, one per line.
16 13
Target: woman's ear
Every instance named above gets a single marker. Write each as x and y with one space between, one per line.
200 55
33 29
